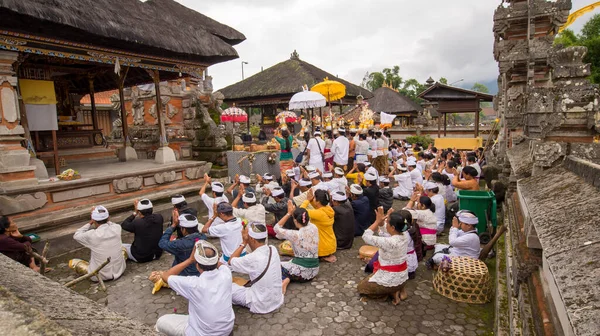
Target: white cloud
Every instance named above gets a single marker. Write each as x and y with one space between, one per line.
425 38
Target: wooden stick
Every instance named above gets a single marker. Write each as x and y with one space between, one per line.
42 259
488 247
89 275
44 262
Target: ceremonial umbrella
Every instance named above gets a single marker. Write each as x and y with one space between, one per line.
233 114
287 117
332 90
307 99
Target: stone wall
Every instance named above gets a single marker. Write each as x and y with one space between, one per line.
36 305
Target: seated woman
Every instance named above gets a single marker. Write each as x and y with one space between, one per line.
323 217
423 212
15 245
305 243
463 238
391 270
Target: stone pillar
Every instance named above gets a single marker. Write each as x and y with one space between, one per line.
164 154
15 169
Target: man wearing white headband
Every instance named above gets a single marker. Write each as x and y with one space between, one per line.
340 149
263 294
251 211
343 220
103 238
360 208
241 180
317 182
267 181
229 232
463 239
286 182
181 248
147 228
372 145
218 196
315 151
415 174
372 193
180 207
371 170
362 149
405 187
209 295
304 185
339 181
432 191
278 208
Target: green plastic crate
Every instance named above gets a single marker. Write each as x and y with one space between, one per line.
483 204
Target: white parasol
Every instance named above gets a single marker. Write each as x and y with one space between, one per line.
307 99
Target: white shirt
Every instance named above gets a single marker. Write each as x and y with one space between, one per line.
464 244
264 296
380 147
255 213
416 177
340 149
426 220
421 165
313 147
440 209
322 186
105 242
362 147
209 202
386 142
339 184
373 147
405 186
392 251
230 235
210 305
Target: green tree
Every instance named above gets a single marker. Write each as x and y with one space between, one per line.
443 80
483 89
373 81
589 38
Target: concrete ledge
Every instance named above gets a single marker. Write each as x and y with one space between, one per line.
63 309
587 170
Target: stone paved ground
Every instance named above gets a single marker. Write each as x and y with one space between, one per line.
329 305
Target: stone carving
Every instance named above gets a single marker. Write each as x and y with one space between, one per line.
128 184
171 110
117 129
545 154
9 105
196 173
188 113
22 203
138 106
165 177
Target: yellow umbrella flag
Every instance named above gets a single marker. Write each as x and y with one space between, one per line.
331 90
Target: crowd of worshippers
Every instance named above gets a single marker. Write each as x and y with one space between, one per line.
318 206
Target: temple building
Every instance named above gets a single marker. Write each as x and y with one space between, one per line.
153 55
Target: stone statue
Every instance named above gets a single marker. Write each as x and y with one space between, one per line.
138 106
171 110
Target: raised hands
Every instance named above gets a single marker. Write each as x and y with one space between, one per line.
290 207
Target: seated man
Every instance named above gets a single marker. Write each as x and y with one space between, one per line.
304 186
405 187
279 209
15 245
217 195
103 238
240 181
360 207
209 296
265 181
180 207
147 229
229 233
286 182
181 248
264 292
343 223
386 194
463 239
470 179
250 211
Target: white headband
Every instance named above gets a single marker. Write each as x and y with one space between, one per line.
217 187
177 199
290 172
310 168
99 213
370 177
244 179
430 185
339 196
304 183
356 189
314 175
142 206
188 223
268 177
384 179
327 175
256 235
249 198
200 254
276 192
468 218
367 164
338 171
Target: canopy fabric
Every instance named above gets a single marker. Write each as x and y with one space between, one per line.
386 120
234 114
331 90
307 99
287 116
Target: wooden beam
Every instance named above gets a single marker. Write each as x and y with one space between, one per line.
445 123
477 123
93 102
161 126
55 152
121 82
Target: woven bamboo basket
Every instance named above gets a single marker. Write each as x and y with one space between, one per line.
467 281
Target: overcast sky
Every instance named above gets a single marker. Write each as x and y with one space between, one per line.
347 38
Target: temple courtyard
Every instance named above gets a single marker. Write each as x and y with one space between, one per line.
329 305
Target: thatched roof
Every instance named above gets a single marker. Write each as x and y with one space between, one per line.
156 27
389 101
440 91
285 79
